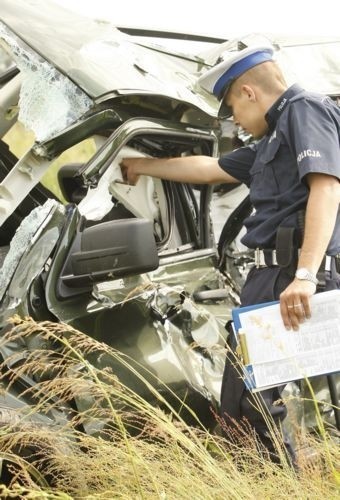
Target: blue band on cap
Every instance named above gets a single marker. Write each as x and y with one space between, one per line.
238 69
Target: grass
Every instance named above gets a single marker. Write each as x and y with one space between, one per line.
135 450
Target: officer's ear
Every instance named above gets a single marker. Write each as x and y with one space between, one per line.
249 93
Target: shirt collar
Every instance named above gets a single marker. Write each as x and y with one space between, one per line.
274 113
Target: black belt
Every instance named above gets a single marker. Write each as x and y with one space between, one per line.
267 258
337 262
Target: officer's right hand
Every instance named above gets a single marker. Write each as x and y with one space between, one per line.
295 303
128 166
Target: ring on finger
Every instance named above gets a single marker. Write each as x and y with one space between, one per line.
295 305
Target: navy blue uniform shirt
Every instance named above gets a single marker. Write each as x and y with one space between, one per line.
303 137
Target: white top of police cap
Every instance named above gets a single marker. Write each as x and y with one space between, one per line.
218 79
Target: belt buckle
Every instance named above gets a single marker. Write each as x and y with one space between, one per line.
328 262
257 257
274 258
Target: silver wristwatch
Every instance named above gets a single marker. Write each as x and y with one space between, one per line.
305 274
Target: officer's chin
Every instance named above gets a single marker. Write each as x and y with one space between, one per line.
258 136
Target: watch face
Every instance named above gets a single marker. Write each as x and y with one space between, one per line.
305 274
301 274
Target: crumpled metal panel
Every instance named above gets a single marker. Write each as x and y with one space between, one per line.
29 250
104 61
100 59
194 346
191 339
191 336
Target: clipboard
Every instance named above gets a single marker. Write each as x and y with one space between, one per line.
274 356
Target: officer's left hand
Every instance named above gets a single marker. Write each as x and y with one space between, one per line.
295 304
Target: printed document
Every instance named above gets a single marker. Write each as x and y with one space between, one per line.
276 355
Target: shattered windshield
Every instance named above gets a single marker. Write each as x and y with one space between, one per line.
49 102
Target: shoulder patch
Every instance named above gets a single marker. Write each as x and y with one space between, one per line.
308 152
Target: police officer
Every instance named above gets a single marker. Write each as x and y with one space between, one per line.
292 170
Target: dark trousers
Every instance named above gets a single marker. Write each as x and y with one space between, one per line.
238 405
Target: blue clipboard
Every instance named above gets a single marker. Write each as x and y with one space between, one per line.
237 312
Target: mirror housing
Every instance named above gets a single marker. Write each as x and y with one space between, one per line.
106 251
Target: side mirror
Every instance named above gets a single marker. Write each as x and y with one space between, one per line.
107 251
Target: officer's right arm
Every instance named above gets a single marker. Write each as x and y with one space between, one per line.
191 169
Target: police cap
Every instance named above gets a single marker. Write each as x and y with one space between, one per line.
219 78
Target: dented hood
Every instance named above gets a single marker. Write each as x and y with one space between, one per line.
108 64
102 60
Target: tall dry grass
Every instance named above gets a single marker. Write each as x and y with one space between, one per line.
131 449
